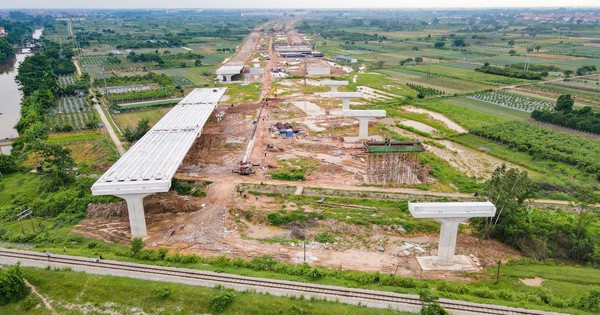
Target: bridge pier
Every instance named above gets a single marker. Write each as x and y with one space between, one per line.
135 209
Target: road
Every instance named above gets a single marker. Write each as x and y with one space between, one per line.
111 132
371 298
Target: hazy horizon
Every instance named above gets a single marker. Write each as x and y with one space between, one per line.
294 4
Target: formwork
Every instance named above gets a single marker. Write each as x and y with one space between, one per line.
395 162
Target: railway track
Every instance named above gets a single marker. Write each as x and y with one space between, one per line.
373 298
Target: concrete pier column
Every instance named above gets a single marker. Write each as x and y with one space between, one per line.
447 243
363 127
334 88
227 77
137 219
345 104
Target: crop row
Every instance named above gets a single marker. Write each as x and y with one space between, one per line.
513 101
72 113
547 144
424 90
65 80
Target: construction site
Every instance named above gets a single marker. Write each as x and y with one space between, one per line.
303 147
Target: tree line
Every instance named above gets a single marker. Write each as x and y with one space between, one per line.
513 73
585 119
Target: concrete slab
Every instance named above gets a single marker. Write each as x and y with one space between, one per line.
358 139
461 263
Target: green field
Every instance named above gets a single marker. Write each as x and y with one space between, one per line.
130 119
488 108
100 294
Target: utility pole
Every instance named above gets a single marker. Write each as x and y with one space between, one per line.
304 248
498 273
428 67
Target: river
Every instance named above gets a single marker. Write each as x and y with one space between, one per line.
10 101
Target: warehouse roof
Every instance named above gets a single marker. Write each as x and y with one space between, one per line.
150 164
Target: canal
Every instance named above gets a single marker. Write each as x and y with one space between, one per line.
10 102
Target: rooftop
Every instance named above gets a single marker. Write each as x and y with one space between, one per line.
150 164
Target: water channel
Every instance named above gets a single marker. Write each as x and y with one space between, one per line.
10 96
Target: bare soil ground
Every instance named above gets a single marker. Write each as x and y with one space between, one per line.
216 225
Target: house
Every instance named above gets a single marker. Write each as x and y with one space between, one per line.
345 59
3 32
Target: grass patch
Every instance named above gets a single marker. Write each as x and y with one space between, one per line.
239 93
489 108
131 119
293 169
126 295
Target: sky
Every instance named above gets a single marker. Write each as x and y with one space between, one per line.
282 4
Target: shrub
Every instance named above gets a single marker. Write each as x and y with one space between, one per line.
162 292
221 300
12 286
433 309
325 237
590 301
136 246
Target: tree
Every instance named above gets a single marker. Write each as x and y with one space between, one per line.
136 245
418 60
439 45
435 21
537 48
459 42
12 285
8 164
138 132
58 164
379 64
198 63
429 304
512 52
6 51
564 103
568 73
507 190
511 42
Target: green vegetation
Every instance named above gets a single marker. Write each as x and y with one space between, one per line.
133 134
6 51
97 293
543 143
12 285
424 91
520 74
585 119
293 169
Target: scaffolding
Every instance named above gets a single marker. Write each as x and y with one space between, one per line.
395 162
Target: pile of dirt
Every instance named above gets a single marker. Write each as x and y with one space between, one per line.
169 202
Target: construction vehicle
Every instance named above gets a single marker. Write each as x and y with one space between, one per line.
245 168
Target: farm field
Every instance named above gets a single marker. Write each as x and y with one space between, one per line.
488 108
130 119
72 113
524 104
446 84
